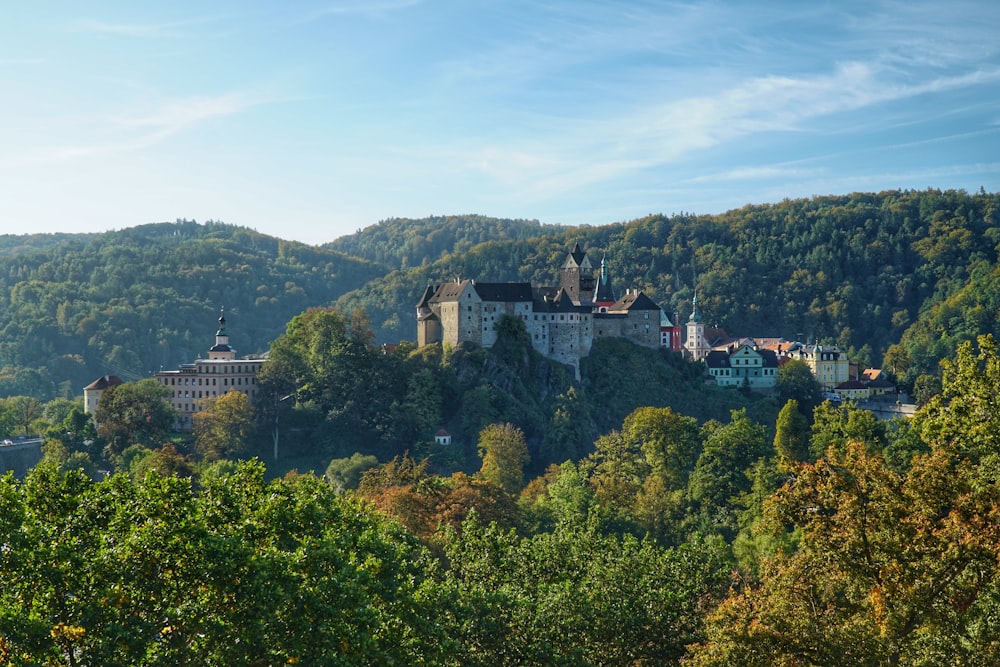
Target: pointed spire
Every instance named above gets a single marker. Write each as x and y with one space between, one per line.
604 292
222 322
695 315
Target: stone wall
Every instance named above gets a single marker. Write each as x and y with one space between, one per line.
20 458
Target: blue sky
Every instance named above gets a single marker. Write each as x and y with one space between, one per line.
310 120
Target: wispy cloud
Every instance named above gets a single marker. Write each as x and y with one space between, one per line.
584 152
4 62
140 130
360 7
164 29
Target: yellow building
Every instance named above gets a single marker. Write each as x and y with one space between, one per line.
827 362
191 384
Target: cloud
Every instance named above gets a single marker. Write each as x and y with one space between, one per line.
165 29
578 153
361 7
140 130
20 61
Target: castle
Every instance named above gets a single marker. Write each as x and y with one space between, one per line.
562 321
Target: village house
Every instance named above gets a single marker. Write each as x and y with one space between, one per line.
745 364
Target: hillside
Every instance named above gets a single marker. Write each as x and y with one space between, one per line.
129 302
398 243
857 270
911 273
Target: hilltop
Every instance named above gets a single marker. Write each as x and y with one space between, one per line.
897 278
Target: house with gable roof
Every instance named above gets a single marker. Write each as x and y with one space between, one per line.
743 365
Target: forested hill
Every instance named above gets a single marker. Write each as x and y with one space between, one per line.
129 302
861 270
911 273
398 243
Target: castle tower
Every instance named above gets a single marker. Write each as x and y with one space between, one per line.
221 349
577 277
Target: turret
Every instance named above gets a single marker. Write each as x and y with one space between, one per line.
221 349
577 276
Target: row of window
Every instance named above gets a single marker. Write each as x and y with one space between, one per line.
725 372
225 381
191 407
212 368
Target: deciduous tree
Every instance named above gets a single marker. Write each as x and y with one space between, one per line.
504 454
134 413
791 438
222 429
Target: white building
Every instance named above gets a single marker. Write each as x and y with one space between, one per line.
192 384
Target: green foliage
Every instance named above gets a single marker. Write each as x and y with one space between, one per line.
669 442
796 382
896 564
222 429
619 376
22 412
504 454
343 385
568 434
245 572
402 242
836 426
720 475
576 597
791 437
346 473
133 413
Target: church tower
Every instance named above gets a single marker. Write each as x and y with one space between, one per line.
695 345
221 349
604 296
577 277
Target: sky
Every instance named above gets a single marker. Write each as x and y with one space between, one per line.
310 120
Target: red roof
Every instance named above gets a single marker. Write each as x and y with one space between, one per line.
104 382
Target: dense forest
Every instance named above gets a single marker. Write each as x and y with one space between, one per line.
130 302
398 243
